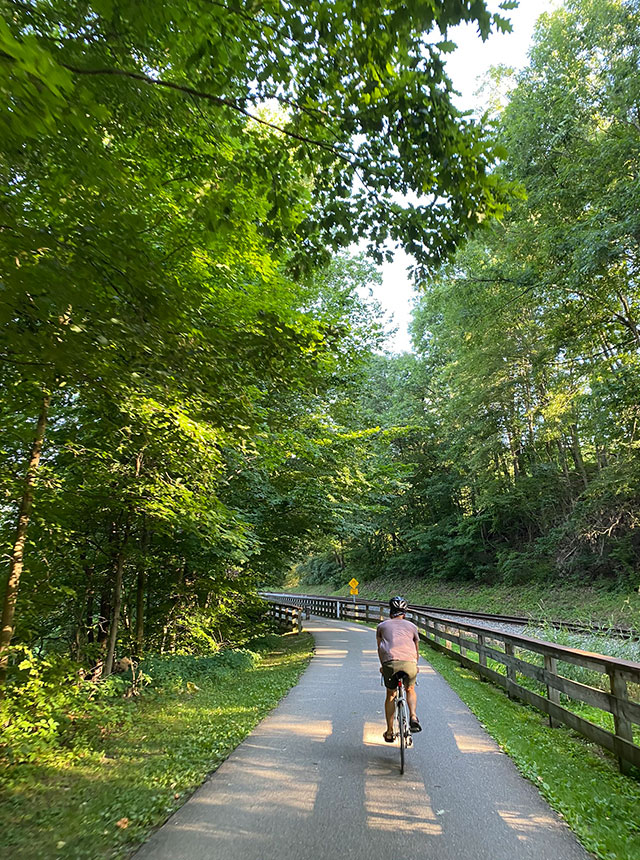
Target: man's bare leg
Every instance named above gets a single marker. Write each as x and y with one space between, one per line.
412 701
389 709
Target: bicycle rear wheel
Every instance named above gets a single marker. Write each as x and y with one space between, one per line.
402 724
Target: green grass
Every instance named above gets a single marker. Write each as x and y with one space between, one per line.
538 600
577 778
101 801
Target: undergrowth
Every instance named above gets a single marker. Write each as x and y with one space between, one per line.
49 707
96 789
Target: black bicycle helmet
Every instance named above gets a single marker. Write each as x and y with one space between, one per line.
397 606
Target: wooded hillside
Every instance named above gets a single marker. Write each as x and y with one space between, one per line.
509 441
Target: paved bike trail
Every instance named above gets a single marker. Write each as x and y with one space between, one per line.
316 781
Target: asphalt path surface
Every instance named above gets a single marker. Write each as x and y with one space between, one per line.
316 781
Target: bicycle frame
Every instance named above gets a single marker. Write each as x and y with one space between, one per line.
402 721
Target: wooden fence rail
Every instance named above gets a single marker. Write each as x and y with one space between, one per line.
287 615
517 659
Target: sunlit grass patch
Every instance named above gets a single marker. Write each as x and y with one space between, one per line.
102 800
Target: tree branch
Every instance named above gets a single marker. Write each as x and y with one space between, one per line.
218 100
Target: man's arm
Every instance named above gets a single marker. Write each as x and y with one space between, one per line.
378 641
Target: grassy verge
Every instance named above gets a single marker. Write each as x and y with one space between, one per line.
101 801
537 600
577 778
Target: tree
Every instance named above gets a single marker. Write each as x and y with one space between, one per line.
365 101
518 432
163 226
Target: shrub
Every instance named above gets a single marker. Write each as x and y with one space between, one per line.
175 672
49 706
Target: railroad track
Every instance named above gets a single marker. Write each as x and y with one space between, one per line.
522 621
486 617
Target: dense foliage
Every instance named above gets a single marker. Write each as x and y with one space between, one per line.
176 317
508 443
194 394
50 708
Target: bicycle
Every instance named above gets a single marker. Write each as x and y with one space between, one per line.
401 725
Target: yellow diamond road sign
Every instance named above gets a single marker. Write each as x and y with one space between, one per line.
354 583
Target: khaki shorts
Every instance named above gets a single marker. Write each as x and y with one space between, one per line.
392 666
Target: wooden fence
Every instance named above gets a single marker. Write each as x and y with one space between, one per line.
530 670
287 615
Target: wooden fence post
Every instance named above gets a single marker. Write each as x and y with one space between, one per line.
510 651
482 657
551 665
623 726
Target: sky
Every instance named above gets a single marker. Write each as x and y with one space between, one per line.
466 66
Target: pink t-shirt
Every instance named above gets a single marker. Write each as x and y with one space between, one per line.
397 639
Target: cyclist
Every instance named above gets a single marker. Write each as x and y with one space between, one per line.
398 642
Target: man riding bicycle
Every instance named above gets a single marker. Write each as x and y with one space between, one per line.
398 642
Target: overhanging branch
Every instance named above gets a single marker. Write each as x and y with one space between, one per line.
218 100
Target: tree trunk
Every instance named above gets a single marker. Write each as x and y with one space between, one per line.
115 618
76 645
577 455
102 631
16 563
126 618
532 438
563 460
84 623
181 575
89 605
515 457
165 630
140 591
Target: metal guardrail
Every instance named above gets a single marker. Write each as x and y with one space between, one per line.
507 659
